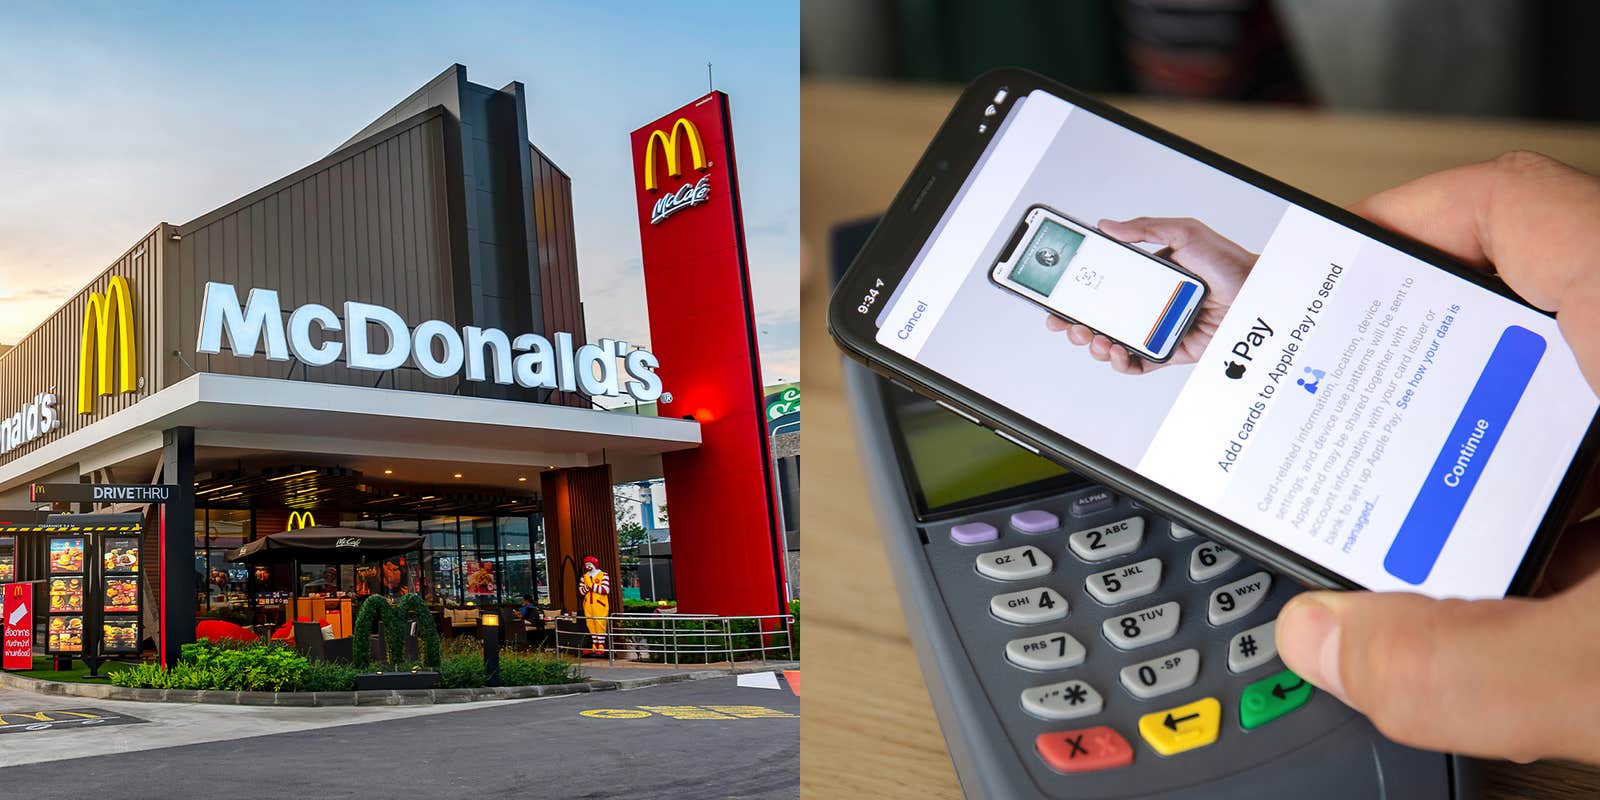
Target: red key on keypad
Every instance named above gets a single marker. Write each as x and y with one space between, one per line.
1084 750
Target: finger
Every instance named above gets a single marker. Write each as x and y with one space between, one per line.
1056 323
1121 362
1173 232
1440 674
1531 217
1080 335
1100 348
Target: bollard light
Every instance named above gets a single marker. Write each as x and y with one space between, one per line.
491 648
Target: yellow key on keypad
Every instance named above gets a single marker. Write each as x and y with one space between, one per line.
1183 728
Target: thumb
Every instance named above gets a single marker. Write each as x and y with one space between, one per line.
1494 678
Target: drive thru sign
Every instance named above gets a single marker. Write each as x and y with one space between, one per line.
17 612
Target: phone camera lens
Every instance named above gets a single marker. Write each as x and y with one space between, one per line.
1047 256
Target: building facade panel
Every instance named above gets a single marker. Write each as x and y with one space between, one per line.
46 361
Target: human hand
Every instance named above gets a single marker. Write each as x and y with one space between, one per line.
1222 264
1516 678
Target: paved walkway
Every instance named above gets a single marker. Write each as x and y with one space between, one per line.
703 739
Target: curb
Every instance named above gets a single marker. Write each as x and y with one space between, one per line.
388 697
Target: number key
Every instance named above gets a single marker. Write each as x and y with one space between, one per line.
1048 651
1014 564
1125 582
1162 674
1029 606
1143 627
1210 560
1108 541
1235 600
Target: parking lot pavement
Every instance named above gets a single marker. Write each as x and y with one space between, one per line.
702 739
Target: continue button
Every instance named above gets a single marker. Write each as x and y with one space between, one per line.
1466 451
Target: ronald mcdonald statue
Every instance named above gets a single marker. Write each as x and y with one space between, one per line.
596 590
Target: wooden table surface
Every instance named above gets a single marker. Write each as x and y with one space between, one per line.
868 729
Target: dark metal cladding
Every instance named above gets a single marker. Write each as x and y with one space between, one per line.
440 209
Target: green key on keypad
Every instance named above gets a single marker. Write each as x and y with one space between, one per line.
1270 698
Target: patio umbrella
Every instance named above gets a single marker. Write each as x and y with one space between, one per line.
325 545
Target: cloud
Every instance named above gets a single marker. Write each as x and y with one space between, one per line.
36 293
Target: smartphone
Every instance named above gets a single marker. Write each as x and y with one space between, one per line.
1363 411
1142 303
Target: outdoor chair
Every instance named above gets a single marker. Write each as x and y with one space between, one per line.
338 650
308 641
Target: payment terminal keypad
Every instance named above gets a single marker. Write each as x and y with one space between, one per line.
1110 640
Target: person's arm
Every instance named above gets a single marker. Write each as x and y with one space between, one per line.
1515 678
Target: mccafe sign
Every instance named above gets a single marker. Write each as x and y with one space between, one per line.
691 193
437 348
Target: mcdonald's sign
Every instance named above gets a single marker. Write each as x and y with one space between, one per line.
95 345
697 290
299 520
690 193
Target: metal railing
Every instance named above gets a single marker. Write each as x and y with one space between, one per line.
677 639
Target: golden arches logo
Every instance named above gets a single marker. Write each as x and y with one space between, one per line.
98 320
299 520
669 147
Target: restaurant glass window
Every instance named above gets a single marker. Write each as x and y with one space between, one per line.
221 589
516 548
442 557
480 568
541 561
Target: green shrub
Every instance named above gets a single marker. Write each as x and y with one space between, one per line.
205 665
371 613
462 671
140 676
325 676
794 628
532 669
413 606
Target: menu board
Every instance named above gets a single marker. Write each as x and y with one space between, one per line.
66 595
120 555
65 634
120 635
8 559
121 595
66 585
66 555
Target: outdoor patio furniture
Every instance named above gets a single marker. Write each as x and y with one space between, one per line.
338 650
308 641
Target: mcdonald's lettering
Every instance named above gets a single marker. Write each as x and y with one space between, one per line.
99 320
691 193
299 520
36 419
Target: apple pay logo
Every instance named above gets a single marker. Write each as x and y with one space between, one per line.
1253 338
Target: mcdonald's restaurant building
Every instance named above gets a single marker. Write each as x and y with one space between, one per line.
390 338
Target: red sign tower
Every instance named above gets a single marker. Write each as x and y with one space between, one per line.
727 553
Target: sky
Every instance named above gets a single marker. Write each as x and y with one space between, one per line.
116 116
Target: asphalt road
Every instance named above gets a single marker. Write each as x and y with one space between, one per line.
704 739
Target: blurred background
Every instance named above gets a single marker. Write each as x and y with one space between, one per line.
1501 58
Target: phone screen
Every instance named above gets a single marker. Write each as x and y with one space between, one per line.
1397 424
1088 278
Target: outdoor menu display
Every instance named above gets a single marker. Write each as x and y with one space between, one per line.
64 633
120 635
66 555
121 595
120 555
66 595
93 586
